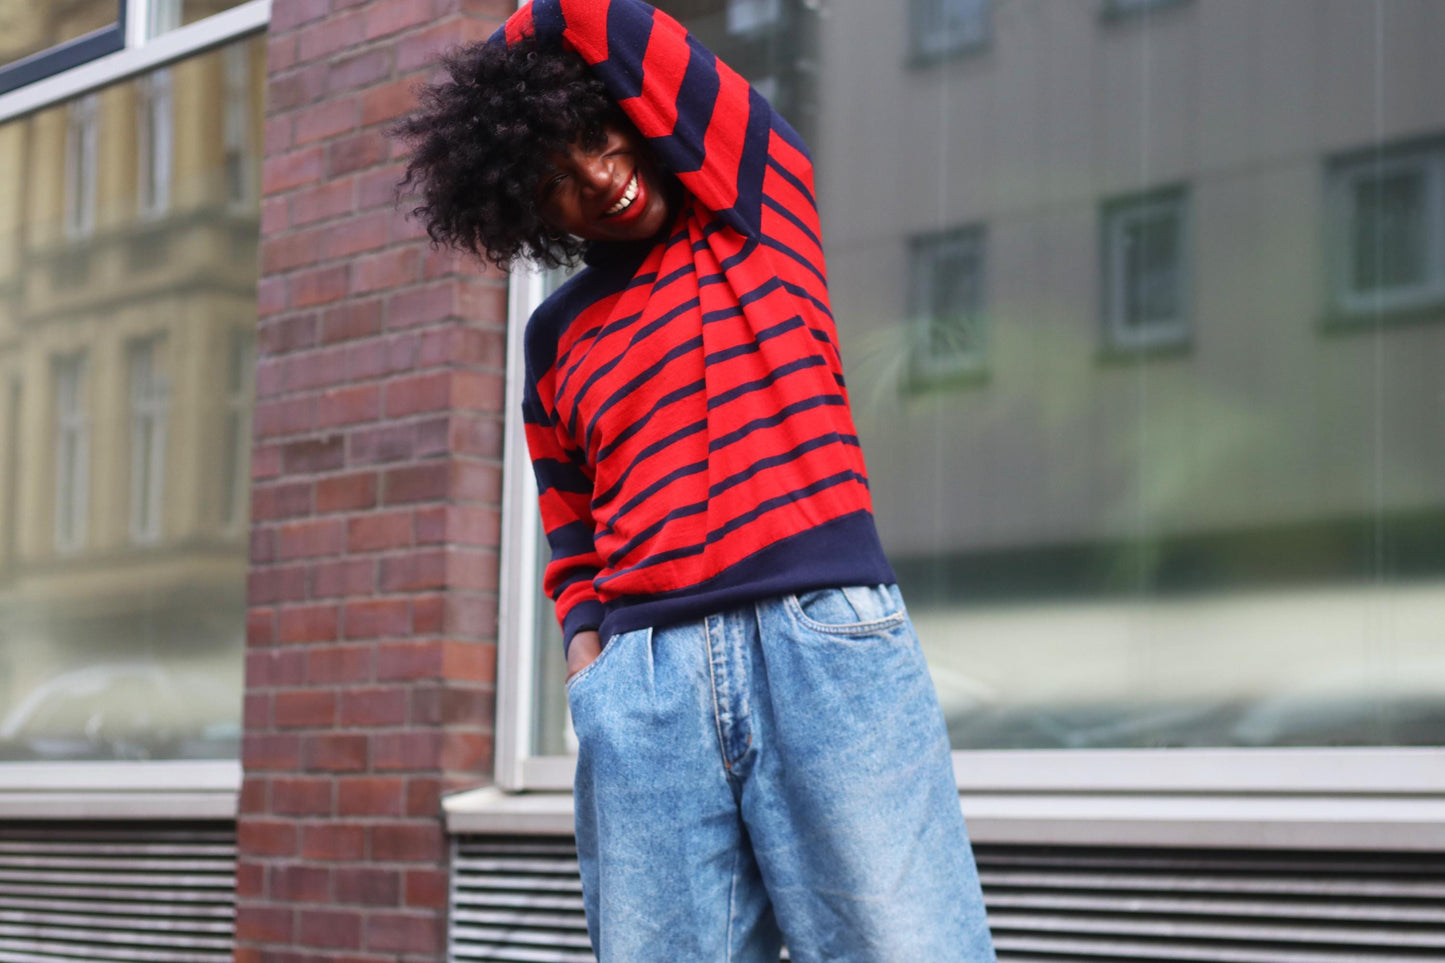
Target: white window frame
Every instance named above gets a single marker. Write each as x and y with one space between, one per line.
110 790
924 253
72 480
1369 798
928 42
155 142
1116 216
149 405
82 133
1343 178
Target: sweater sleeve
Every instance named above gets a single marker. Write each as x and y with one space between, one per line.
705 122
565 497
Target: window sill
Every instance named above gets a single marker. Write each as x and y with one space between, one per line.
1375 823
1347 322
120 790
1111 13
921 60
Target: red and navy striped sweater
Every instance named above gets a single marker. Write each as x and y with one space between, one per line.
685 407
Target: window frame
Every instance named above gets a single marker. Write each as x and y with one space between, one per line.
70 53
1350 306
119 789
1114 215
155 142
148 408
925 367
921 55
82 166
72 514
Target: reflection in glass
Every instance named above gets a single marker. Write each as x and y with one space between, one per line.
30 26
1239 541
127 312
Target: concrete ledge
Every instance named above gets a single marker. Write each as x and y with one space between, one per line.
120 790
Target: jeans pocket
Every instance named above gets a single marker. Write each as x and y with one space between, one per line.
853 610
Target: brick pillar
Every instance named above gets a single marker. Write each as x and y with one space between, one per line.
371 625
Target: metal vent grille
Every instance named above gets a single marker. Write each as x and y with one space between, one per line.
76 891
519 899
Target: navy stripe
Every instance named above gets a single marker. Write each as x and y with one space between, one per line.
784 413
555 475
728 263
662 444
631 504
803 292
792 219
672 397
572 540
602 369
684 149
793 454
784 249
738 350
644 536
681 350
763 508
768 380
793 179
754 161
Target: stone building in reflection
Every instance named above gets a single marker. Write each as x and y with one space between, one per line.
127 312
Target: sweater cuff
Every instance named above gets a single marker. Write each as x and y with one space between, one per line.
583 617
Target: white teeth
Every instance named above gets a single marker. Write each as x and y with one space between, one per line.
628 196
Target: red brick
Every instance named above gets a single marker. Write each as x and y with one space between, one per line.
336 752
331 34
373 707
390 16
292 169
345 577
274 218
275 139
423 305
284 584
293 89
260 626
400 661
290 251
375 618
287 334
305 708
470 525
346 493
382 444
376 358
250 879
428 614
430 525
308 623
407 842
423 392
263 924
427 888
326 119
331 841
330 928
355 152
338 664
417 483
288 500
355 235
326 200
265 462
292 13
285 418
369 887
469 661
275 667
318 369
255 791
466 752
265 837
369 796
472 568
281 50
270 297
432 436
465 705
388 102
413 572
319 285
256 711
479 483
260 752
410 934
351 320
477 391
295 883
401 751
301 797
383 530
471 615
421 49
360 70
349 406
389 269
323 454
423 797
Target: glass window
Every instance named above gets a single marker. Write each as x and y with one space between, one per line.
1232 546
1146 271
148 399
941 28
946 302
154 139
42 37
124 359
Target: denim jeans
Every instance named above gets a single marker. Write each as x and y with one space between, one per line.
777 772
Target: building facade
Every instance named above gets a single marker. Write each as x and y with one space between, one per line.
1142 304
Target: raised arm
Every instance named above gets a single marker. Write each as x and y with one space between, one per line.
705 122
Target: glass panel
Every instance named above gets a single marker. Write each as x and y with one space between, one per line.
1240 542
30 26
167 15
125 395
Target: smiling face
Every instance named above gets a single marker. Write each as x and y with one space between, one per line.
613 192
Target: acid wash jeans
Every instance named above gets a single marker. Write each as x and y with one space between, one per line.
775 773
